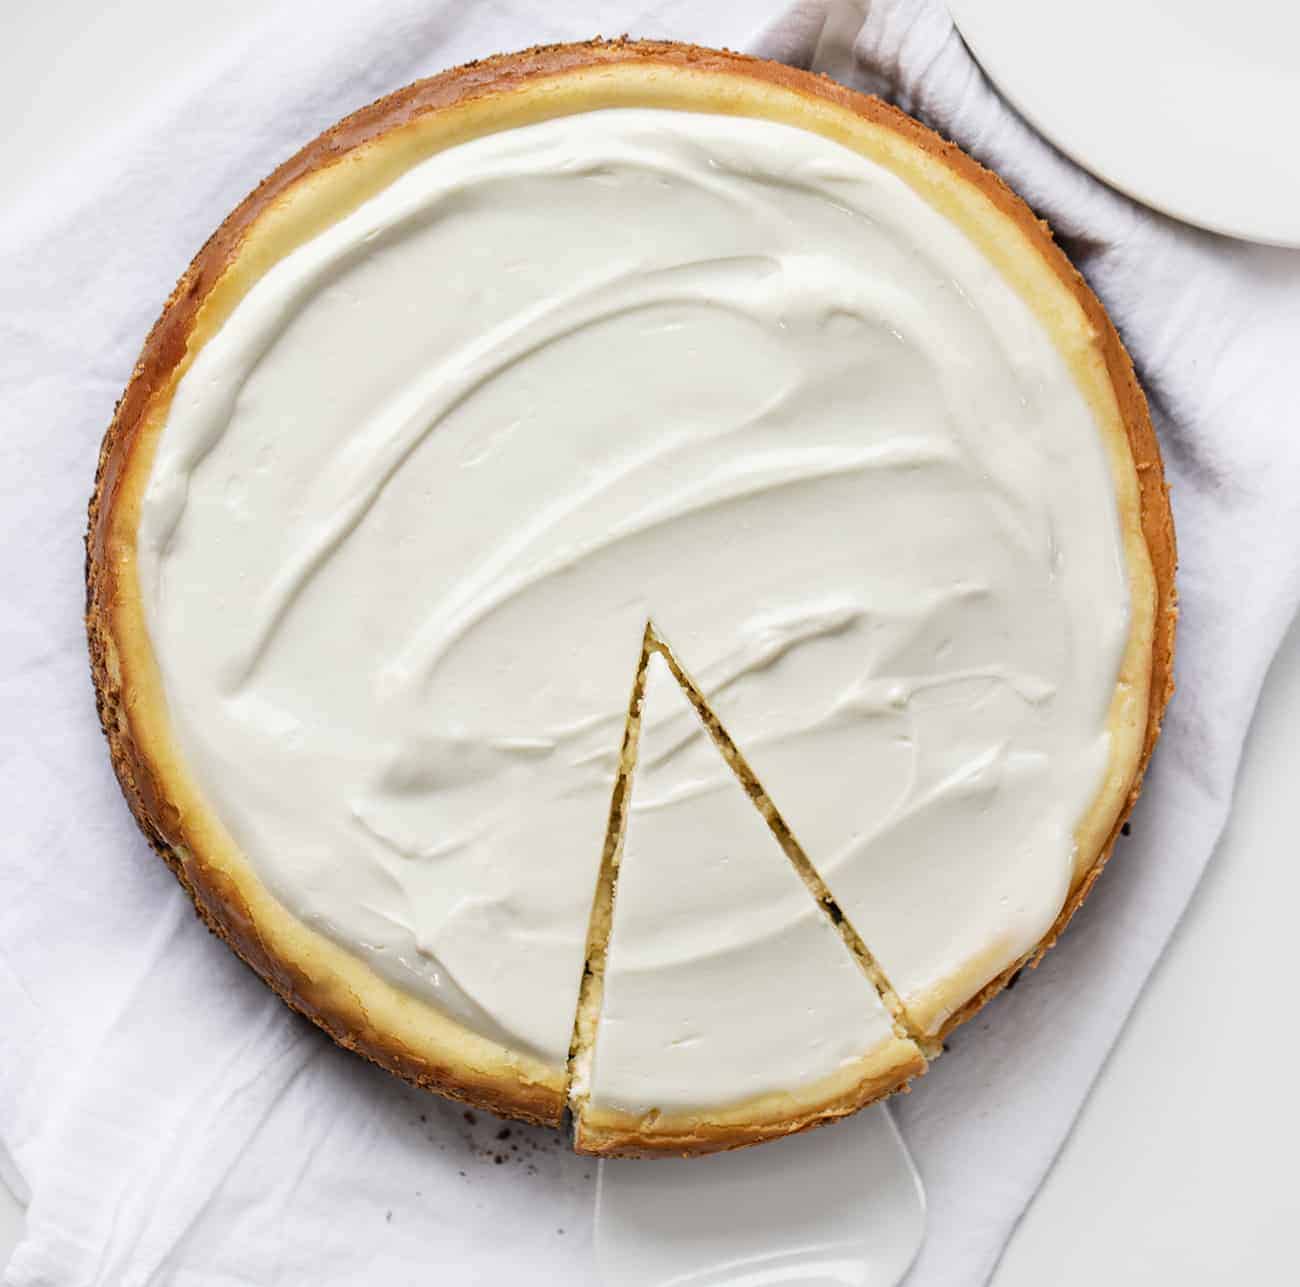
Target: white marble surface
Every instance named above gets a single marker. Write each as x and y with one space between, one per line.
1179 1169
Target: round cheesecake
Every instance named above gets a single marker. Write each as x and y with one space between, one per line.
633 581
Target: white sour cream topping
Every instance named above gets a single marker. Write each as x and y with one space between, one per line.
692 998
416 500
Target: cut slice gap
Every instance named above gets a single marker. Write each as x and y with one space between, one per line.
904 1027
719 1006
601 920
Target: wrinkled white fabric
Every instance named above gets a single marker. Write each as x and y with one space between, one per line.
170 1120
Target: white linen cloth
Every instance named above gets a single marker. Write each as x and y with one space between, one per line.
170 1121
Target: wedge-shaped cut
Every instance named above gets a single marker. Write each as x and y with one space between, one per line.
732 1009
803 865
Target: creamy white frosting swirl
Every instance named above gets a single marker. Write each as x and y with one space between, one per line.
417 498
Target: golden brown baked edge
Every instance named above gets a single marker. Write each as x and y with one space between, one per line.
218 899
604 1131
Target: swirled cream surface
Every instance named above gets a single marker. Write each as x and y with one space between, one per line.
678 1025
416 500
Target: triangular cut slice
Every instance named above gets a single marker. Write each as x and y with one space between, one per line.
785 837
730 1009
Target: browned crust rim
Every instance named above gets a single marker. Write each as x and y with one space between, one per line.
216 898
607 1132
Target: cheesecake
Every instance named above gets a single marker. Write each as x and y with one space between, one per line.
633 585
